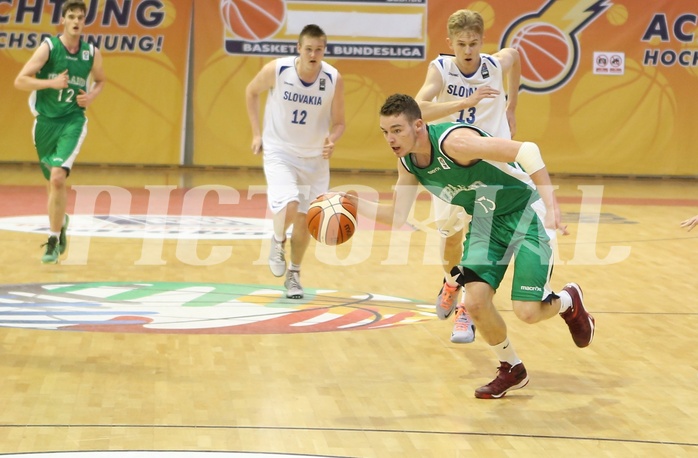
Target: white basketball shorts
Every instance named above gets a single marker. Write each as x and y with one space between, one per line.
292 178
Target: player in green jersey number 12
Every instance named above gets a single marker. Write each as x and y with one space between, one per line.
57 75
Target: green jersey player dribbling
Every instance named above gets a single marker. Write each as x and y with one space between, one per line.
57 74
505 186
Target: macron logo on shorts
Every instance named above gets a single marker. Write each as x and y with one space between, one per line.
531 288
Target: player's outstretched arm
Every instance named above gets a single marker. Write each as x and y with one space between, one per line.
395 213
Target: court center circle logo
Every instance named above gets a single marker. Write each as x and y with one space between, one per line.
200 308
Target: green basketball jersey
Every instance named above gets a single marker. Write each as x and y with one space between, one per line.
484 188
55 103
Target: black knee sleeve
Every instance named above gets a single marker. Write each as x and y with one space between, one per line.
464 275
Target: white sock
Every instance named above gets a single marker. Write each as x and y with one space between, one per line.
565 301
295 267
505 352
54 234
279 239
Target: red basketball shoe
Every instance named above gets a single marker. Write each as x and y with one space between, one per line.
580 322
508 378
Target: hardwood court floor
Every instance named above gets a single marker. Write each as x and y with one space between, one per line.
391 391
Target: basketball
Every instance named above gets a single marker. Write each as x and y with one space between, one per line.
331 218
253 21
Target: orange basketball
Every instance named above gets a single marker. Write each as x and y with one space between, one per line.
331 219
253 20
545 52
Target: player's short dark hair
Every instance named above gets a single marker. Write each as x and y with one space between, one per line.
73 5
398 104
312 31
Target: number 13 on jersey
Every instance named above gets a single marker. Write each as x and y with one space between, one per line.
471 116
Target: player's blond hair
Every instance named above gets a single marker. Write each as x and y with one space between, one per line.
465 20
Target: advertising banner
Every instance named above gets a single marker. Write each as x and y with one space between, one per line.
138 117
607 85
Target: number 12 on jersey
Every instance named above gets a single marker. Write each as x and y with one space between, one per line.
299 117
69 93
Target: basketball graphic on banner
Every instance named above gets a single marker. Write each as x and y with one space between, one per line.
253 20
640 95
546 53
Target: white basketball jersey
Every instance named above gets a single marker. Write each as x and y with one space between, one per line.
488 114
298 116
